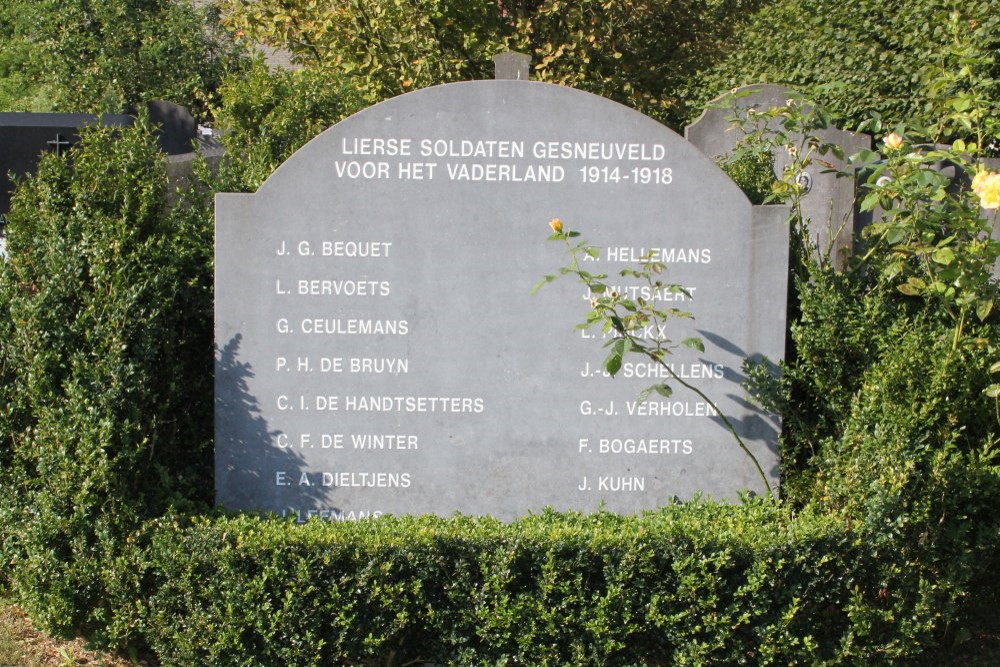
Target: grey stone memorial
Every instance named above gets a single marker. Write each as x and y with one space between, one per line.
512 65
379 350
829 203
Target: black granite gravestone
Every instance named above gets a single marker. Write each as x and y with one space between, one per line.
177 130
25 136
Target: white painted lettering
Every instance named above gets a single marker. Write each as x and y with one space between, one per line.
611 483
361 170
355 248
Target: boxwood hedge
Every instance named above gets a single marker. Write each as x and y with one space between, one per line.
886 534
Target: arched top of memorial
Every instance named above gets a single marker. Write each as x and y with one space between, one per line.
496 110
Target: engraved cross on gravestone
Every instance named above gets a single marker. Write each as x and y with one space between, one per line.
59 143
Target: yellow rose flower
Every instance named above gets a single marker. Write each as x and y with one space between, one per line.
556 225
893 142
989 191
979 179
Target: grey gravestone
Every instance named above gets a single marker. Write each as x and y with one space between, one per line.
829 204
379 350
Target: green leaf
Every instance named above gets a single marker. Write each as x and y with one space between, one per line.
663 390
869 202
865 155
623 346
613 363
995 368
540 283
961 104
944 256
993 391
983 309
694 343
895 235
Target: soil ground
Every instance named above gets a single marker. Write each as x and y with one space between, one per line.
21 645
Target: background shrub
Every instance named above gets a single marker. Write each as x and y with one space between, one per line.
105 368
110 56
647 55
861 57
886 423
265 116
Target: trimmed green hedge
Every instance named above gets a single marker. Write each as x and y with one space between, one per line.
691 584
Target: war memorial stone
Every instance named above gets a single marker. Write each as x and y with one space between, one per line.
379 350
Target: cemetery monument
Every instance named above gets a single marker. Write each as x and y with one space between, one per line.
379 350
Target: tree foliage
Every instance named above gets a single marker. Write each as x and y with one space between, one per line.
389 47
110 55
21 87
265 116
861 57
644 54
